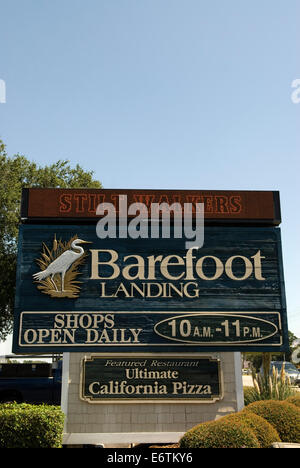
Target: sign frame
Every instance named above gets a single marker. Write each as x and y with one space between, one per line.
167 400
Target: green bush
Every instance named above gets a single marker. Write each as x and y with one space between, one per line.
283 416
265 433
30 426
224 433
294 399
250 395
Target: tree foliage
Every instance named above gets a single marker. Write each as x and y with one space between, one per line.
18 172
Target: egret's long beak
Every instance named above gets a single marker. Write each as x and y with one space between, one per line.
85 242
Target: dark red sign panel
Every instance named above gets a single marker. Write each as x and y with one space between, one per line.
219 205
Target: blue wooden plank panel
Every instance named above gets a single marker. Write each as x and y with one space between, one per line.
164 278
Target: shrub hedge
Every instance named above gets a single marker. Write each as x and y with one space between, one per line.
283 416
265 433
30 426
294 399
249 395
258 425
223 433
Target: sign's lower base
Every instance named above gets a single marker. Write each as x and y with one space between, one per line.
134 412
119 439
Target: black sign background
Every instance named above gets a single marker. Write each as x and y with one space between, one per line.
150 378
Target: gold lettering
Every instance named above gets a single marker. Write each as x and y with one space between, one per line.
166 262
111 263
257 266
248 268
140 265
218 272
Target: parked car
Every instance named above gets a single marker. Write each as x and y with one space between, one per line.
31 383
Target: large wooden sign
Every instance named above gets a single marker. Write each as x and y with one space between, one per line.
149 295
151 379
234 206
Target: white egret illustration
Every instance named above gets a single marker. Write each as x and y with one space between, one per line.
56 263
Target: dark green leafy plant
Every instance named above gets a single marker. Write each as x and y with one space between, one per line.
18 172
30 426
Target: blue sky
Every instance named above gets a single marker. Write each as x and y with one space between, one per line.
160 94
